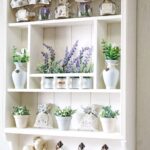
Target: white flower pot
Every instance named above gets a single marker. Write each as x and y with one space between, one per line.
108 124
111 74
87 83
75 83
19 76
47 83
21 121
63 122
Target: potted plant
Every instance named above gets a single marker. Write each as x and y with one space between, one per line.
111 73
108 118
63 117
19 75
21 116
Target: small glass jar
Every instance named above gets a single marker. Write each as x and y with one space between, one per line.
44 13
84 9
61 83
74 82
107 8
87 83
47 83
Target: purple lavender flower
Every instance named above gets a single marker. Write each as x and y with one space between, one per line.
51 52
87 56
69 55
46 58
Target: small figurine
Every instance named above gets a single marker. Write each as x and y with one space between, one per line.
59 146
33 2
44 118
62 10
81 146
22 15
105 147
40 144
44 1
107 8
18 3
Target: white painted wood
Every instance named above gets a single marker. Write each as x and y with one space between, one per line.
67 22
58 133
59 34
66 90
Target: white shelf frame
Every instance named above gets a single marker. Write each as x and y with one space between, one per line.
70 133
104 91
68 22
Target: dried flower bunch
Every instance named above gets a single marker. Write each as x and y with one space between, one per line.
70 63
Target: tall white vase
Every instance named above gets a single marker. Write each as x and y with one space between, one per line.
19 76
111 74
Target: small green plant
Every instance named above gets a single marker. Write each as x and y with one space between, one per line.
66 112
20 56
107 112
111 52
20 110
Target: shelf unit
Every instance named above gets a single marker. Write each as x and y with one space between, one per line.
59 34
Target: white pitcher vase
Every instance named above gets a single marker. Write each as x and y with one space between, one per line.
111 74
19 76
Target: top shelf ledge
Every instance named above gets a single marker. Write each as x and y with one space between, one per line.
67 22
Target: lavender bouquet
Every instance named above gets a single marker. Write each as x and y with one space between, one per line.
79 64
49 65
71 63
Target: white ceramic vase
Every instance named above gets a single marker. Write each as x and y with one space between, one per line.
108 124
21 121
19 76
111 74
63 122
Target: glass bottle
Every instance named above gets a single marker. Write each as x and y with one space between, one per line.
44 13
84 9
107 8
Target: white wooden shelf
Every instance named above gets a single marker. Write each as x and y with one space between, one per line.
115 91
63 75
69 133
68 22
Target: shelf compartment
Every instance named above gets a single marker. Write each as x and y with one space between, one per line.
70 133
65 22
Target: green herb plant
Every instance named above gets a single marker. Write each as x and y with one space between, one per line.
107 112
65 112
111 52
20 56
20 110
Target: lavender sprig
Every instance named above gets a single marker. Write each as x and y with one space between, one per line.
69 55
51 52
